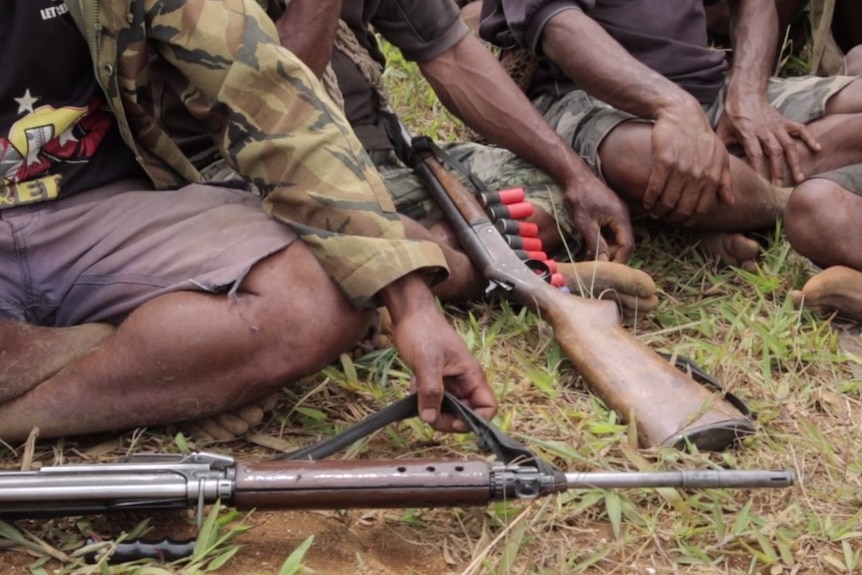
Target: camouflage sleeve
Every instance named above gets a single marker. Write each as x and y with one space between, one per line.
274 124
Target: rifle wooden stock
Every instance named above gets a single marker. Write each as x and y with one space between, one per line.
669 408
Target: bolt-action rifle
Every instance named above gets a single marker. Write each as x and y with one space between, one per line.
668 406
301 480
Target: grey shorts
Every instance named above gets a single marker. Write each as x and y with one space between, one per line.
497 167
848 177
100 254
585 121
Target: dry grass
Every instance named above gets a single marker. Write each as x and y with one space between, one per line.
787 365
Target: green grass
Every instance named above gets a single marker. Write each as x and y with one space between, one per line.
740 326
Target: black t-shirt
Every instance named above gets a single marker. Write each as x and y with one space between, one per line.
57 136
420 29
668 36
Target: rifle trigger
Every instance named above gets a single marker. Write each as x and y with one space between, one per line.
494 284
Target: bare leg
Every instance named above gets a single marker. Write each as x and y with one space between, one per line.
853 62
821 223
31 354
840 137
626 155
188 354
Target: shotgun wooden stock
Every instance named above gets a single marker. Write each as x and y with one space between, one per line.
668 407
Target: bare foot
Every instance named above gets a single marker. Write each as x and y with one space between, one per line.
733 249
634 290
30 354
837 288
232 424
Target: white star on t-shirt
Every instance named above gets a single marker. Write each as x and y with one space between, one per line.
25 102
68 136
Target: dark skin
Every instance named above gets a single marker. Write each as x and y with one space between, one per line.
470 82
687 174
690 175
188 355
205 341
821 223
768 138
436 368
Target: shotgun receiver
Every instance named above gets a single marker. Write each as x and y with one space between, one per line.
669 408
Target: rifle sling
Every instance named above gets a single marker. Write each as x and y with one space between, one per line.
489 437
700 375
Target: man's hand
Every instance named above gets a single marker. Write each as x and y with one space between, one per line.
768 138
691 168
595 207
436 354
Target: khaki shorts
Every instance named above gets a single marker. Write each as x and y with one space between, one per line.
586 121
100 254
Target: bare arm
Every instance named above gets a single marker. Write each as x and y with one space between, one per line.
691 167
426 342
582 49
432 348
471 83
749 119
307 28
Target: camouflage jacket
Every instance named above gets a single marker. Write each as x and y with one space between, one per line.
270 119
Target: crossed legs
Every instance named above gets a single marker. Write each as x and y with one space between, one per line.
626 156
187 355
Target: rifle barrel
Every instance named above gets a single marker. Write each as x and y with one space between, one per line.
694 479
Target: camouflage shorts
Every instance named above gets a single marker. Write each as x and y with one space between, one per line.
497 167
586 121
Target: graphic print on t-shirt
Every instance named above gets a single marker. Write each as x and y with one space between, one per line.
43 138
57 136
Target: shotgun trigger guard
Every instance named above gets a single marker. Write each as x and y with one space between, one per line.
541 268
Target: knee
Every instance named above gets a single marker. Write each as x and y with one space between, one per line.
303 320
854 62
804 222
626 158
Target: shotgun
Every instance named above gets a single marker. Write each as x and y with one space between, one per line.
301 480
668 407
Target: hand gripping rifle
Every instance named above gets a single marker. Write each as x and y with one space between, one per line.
299 480
669 408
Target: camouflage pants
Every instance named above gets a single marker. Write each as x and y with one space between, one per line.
586 121
498 168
